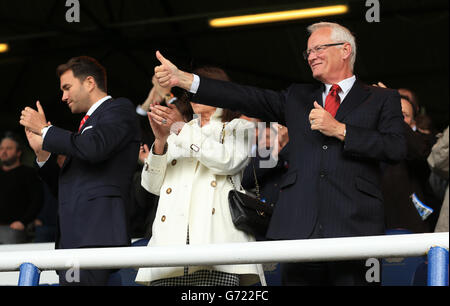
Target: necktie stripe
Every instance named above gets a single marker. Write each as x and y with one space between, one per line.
83 121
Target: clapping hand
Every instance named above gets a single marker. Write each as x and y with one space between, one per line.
168 119
33 120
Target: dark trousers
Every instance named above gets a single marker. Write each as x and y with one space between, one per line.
336 273
84 277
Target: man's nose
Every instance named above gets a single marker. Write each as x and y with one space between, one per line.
311 56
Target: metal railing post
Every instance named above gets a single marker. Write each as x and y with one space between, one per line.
438 267
29 275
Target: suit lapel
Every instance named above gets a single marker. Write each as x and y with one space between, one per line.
357 95
316 96
95 113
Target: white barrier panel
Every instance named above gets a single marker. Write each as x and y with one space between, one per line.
327 249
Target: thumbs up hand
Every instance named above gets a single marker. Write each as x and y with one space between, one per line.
168 75
34 120
322 121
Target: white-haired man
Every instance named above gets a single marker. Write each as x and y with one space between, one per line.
339 130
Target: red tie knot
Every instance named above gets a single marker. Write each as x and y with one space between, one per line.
335 89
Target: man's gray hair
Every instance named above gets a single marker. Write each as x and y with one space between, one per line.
338 34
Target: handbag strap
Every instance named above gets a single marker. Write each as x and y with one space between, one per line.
222 138
258 195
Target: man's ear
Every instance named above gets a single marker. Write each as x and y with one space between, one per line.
346 51
90 83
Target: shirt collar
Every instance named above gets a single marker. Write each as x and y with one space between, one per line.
97 104
345 85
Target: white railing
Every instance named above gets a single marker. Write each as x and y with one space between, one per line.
327 249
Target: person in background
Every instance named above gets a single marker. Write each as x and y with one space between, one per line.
269 163
410 176
438 161
21 194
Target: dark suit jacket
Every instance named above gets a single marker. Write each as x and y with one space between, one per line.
269 179
408 177
95 179
330 182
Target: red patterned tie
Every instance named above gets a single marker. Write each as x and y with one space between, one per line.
333 100
82 122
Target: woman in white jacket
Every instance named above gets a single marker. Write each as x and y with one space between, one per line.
190 169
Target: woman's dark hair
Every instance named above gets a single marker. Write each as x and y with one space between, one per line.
182 103
84 66
218 74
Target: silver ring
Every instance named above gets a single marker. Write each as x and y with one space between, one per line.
164 121
312 122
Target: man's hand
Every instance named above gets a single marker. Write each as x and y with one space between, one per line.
322 121
35 142
168 75
379 85
283 136
160 92
143 153
34 120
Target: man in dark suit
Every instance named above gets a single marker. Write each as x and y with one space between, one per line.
339 131
101 157
266 169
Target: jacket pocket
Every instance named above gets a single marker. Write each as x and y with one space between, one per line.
289 179
103 191
368 188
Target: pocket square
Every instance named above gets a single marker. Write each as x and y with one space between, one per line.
86 128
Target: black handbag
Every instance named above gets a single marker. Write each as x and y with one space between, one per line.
248 213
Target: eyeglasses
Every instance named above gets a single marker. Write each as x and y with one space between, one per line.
318 49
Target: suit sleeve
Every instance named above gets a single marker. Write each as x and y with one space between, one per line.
386 142
113 130
49 173
267 105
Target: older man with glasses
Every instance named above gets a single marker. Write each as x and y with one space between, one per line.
340 131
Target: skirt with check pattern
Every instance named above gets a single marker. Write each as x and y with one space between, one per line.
199 278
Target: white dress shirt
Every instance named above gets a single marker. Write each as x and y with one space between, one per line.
345 86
